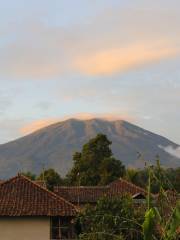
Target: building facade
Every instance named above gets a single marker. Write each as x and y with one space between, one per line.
31 212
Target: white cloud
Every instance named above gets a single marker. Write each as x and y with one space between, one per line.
171 150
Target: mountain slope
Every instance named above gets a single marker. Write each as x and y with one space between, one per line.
54 145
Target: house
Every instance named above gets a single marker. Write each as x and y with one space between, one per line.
39 182
29 211
82 195
121 187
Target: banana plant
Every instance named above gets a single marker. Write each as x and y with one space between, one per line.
168 228
172 229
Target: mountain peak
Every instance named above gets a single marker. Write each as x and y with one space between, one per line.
53 146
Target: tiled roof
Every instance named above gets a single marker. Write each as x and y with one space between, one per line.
40 183
20 196
81 194
122 186
90 194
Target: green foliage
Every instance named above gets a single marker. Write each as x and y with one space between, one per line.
173 176
29 175
149 224
169 178
173 224
156 223
131 174
114 217
110 170
100 236
154 228
51 177
95 165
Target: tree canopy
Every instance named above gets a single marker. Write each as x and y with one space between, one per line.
51 177
170 178
29 175
95 164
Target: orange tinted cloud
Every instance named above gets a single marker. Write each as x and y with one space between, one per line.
36 125
113 40
106 116
110 61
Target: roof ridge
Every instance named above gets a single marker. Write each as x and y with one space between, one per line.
48 191
90 187
132 184
9 180
55 196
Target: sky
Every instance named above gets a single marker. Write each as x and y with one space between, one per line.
113 59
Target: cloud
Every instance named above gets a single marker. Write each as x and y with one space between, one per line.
10 129
5 102
38 124
106 116
43 106
172 150
115 40
107 62
34 51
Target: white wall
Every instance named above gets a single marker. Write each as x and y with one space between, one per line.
24 228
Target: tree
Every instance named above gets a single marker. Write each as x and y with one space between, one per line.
131 174
110 170
113 218
29 175
95 164
173 176
170 178
51 177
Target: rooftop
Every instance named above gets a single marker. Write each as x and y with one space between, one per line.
19 196
90 194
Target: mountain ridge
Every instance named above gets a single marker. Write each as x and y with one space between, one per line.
53 146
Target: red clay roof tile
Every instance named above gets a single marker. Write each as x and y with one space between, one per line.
20 196
82 194
122 186
89 194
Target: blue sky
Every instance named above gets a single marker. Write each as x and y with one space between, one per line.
105 58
